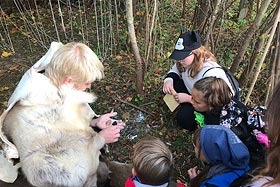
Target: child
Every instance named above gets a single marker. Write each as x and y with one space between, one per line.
152 164
269 176
226 157
212 97
194 62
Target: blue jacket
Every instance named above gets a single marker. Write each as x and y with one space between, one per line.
225 179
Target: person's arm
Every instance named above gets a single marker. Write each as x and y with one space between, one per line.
172 76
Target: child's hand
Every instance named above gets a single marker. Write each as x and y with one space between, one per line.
182 98
193 172
168 88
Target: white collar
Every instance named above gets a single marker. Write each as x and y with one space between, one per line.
138 184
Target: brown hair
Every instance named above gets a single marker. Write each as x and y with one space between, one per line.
203 174
152 161
216 92
272 166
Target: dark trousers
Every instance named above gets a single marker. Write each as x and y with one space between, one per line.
185 113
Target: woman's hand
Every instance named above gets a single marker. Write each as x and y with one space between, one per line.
168 87
105 120
182 97
111 134
193 172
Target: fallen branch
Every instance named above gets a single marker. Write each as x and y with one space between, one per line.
132 105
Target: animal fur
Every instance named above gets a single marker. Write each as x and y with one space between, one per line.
56 145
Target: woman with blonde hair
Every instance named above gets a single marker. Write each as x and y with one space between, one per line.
50 123
194 62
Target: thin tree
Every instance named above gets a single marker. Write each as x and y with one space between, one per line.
252 30
149 34
134 46
212 21
275 65
263 56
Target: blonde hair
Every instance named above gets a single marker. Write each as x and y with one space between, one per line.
75 60
201 54
152 161
216 92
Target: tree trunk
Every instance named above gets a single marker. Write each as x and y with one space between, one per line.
244 77
264 55
184 8
117 19
274 66
201 15
243 8
246 41
264 31
149 35
212 21
134 46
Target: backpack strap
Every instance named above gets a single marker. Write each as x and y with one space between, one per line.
210 69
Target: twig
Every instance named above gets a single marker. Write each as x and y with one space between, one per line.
132 105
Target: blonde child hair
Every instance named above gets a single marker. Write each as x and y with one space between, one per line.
152 161
75 60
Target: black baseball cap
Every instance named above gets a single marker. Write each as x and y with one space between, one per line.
186 43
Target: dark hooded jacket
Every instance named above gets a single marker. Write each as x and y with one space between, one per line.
226 154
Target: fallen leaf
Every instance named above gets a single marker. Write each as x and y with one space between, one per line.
108 88
128 99
125 116
12 68
14 30
4 88
118 57
5 103
158 70
6 54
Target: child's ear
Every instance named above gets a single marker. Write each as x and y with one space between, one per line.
133 172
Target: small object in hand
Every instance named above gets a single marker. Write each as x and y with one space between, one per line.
114 123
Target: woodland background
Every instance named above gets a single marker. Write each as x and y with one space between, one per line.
134 39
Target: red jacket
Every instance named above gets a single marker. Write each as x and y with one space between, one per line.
129 183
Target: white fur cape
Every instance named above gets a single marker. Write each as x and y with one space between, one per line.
32 80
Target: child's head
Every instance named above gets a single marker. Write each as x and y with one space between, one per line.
197 147
152 161
216 144
210 93
273 118
272 166
75 62
186 43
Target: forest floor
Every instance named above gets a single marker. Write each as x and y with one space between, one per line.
116 91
